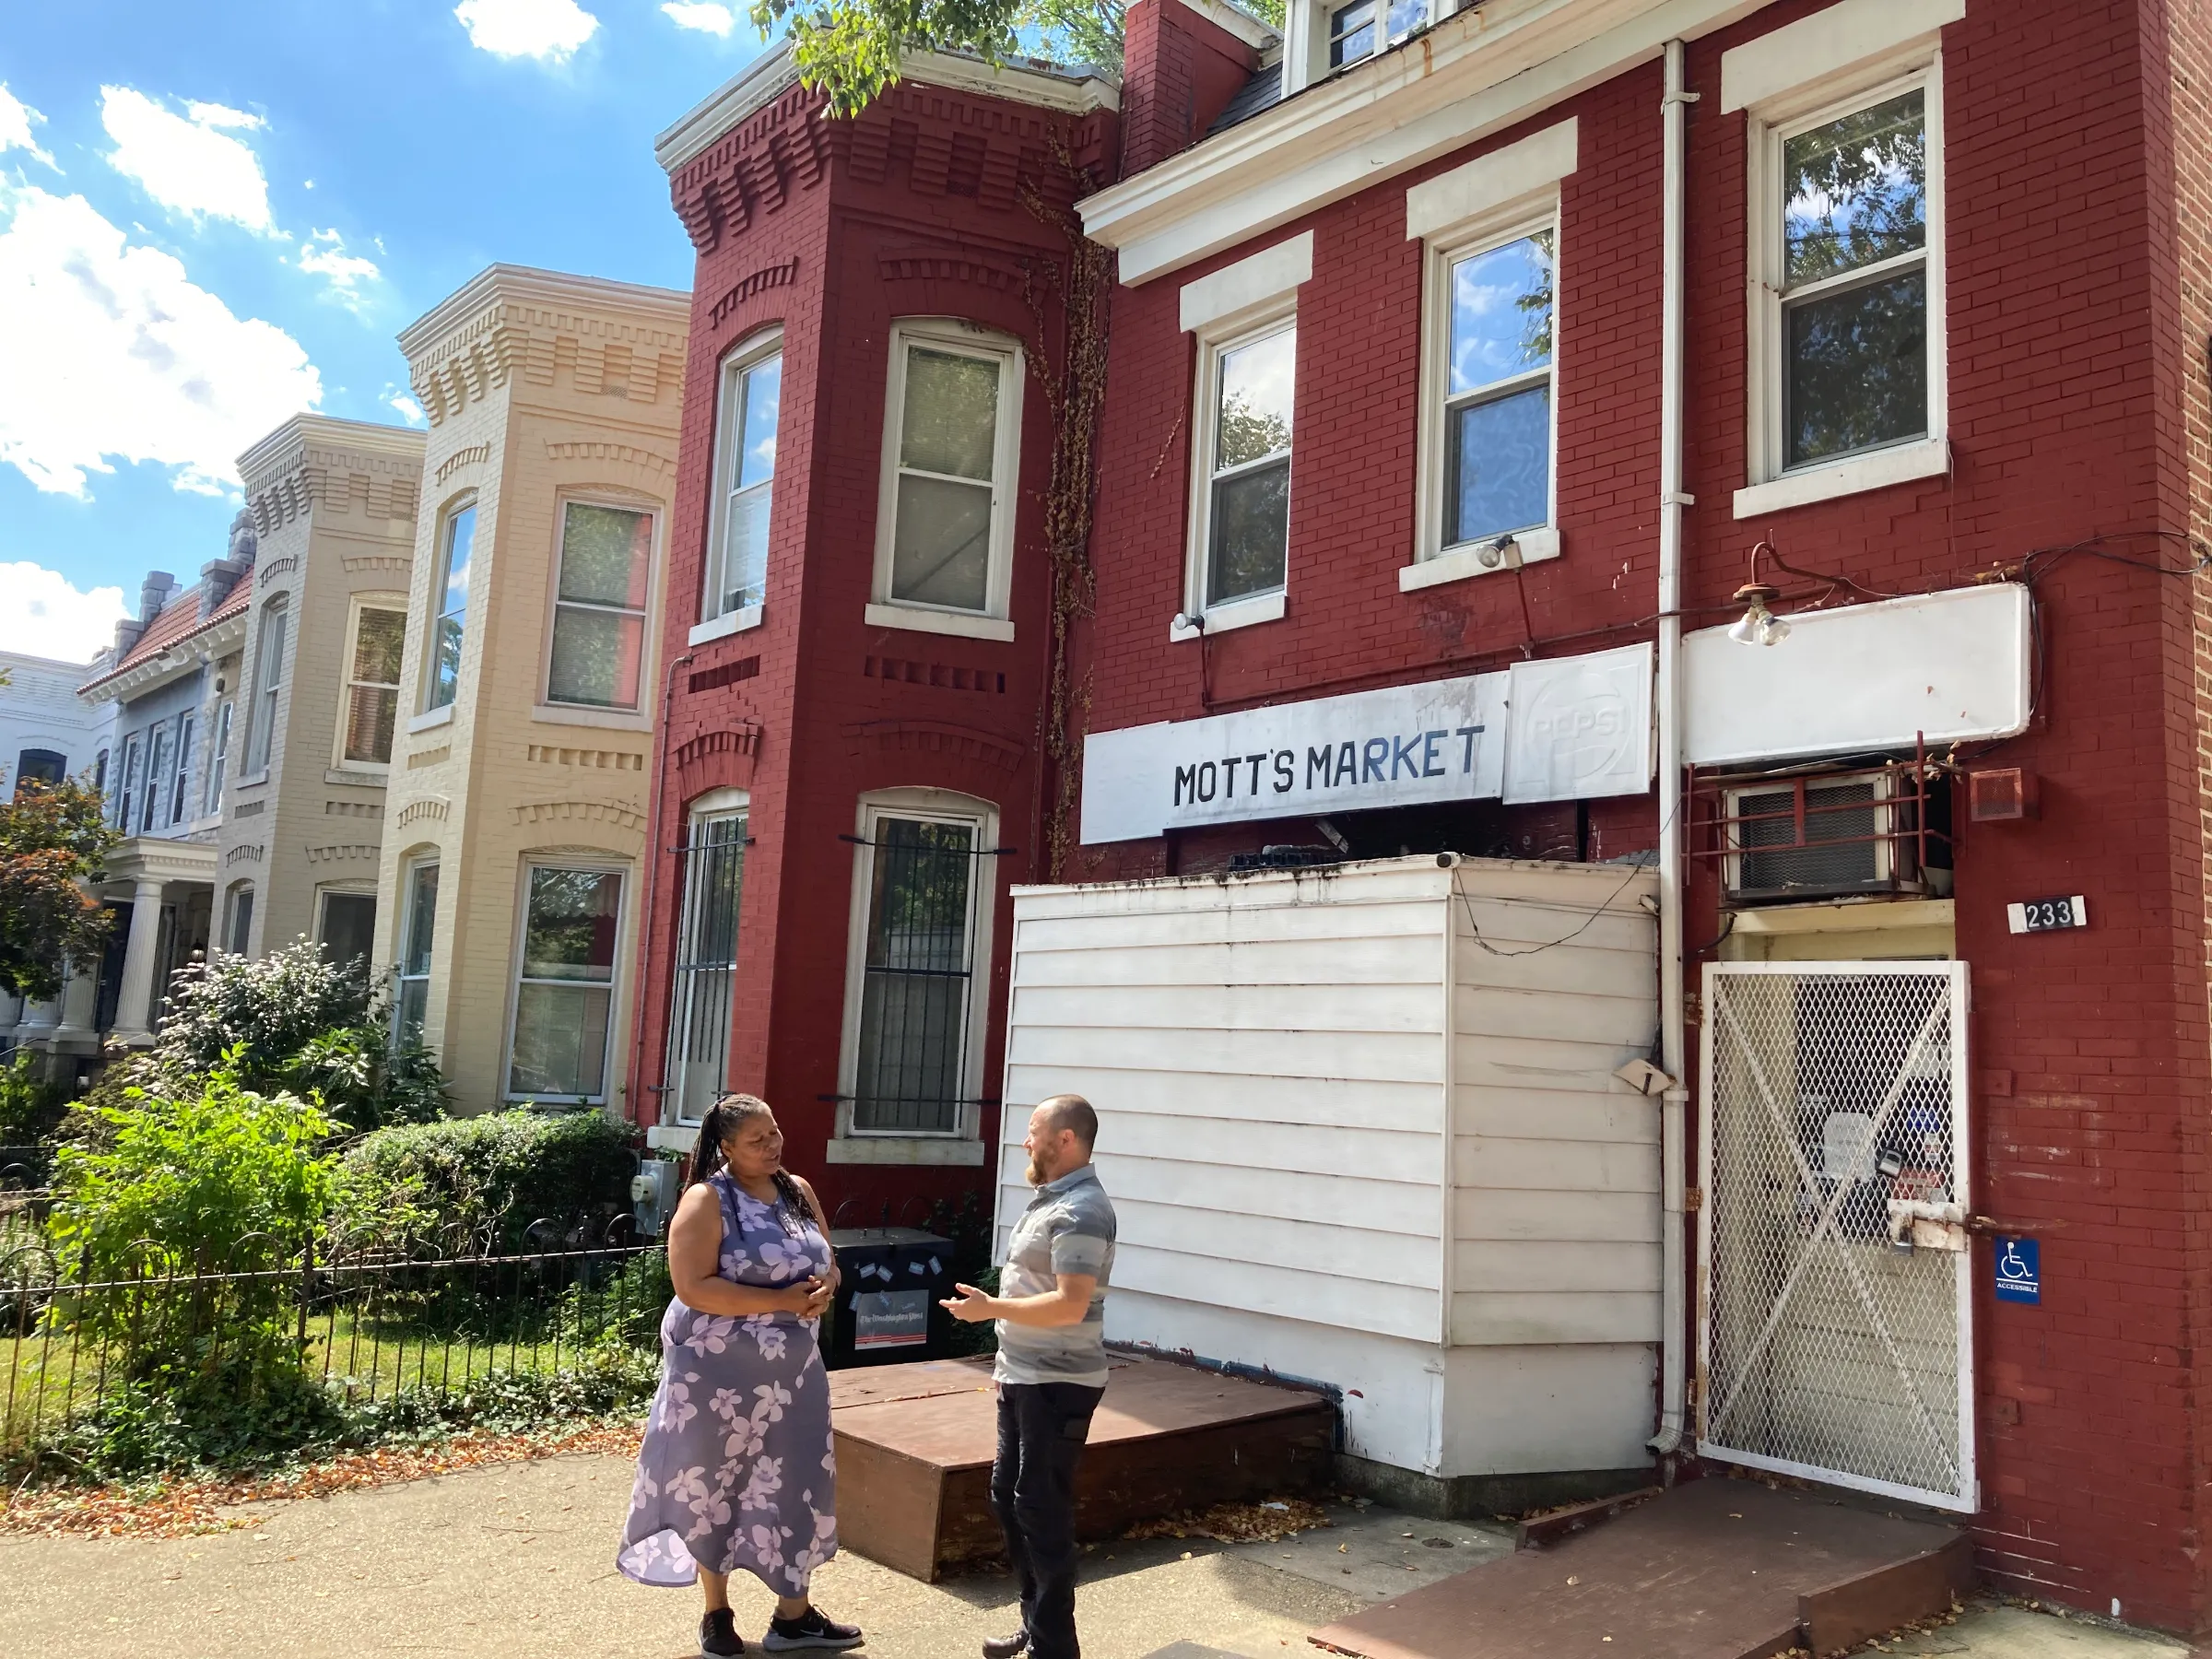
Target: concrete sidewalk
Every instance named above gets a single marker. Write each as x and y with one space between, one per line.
518 1560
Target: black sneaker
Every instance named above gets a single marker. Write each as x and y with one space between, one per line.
810 1630
718 1635
1006 1647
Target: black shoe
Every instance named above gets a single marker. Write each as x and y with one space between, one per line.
718 1634
1006 1647
810 1630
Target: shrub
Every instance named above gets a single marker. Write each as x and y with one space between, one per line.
295 1020
30 1107
490 1176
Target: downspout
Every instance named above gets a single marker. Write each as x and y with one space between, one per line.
1674 1103
654 853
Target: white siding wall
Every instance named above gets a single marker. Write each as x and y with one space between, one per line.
1269 1058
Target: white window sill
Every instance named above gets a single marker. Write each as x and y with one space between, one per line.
904 1150
1899 463
1238 613
1459 563
723 626
619 720
253 780
359 775
959 623
431 718
672 1138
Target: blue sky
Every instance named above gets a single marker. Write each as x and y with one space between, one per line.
215 213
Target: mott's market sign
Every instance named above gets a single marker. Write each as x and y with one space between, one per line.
1567 728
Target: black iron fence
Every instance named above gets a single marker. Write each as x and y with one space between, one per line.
569 1325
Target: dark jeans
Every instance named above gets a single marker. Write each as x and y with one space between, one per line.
1041 1426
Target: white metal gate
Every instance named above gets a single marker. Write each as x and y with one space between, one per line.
1834 1313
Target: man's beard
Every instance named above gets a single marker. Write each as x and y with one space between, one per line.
1037 1177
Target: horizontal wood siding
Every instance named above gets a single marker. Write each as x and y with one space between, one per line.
1555 1163
1266 1058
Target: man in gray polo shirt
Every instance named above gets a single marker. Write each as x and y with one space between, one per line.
1050 1311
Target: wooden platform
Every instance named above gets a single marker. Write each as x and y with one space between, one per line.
914 1444
1713 1570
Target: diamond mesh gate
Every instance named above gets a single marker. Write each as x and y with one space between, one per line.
1834 1331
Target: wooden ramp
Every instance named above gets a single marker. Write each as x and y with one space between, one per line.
1713 1570
914 1444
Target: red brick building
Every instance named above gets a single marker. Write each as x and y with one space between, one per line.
1388 406
856 673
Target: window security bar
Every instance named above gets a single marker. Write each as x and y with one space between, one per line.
859 840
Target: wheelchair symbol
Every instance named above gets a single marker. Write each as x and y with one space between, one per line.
2010 1266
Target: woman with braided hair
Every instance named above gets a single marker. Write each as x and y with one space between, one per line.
739 1468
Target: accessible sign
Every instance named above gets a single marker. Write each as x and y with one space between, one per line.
1584 732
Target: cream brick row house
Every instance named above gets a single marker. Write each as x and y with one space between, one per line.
530 681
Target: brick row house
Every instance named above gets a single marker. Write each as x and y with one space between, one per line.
1687 515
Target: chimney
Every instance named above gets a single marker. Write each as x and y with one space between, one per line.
1183 61
218 577
153 594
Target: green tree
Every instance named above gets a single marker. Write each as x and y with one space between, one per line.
53 840
850 49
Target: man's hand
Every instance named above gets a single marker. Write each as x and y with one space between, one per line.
970 1306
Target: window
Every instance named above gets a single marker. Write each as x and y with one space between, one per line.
1847 384
100 772
1241 540
923 896
1353 29
1494 382
42 766
126 800
410 1008
752 389
347 932
180 799
372 686
945 521
565 980
599 606
238 923
219 758
449 609
268 681
706 956
160 744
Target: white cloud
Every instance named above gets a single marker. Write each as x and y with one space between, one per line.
112 350
189 163
324 254
409 410
550 30
43 614
702 15
17 119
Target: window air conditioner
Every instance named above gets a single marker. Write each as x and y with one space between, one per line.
1820 837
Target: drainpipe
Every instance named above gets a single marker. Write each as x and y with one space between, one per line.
1674 1103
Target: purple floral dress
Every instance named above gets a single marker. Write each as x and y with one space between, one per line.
738 1467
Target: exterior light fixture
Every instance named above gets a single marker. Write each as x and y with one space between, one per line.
1760 625
1502 554
1190 622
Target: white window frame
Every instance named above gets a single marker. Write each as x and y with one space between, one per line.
1306 36
963 1144
127 781
1216 339
1433 561
638 717
1772 486
616 982
716 623
160 741
409 871
357 604
238 896
428 713
180 799
716 806
218 756
342 889
965 339
260 719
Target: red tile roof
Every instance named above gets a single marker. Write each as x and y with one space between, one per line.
178 620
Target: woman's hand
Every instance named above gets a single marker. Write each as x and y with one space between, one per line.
807 1299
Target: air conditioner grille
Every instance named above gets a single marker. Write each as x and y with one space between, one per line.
1773 858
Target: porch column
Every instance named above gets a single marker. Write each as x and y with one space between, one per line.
35 1023
134 1014
80 1004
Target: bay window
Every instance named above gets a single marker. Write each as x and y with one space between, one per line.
945 519
745 470
161 745
449 609
268 681
564 983
180 801
604 570
218 756
417 935
379 635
